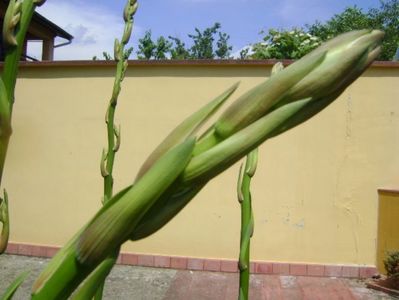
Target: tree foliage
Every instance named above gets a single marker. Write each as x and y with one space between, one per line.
146 46
178 50
106 56
386 18
297 42
209 43
284 44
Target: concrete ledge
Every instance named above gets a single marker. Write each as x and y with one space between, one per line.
391 191
215 265
181 63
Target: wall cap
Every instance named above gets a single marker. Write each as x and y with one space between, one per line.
178 63
393 191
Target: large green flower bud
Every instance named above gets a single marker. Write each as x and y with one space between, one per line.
323 72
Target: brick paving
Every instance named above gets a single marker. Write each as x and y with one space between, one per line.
146 283
214 285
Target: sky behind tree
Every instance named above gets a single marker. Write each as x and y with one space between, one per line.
95 24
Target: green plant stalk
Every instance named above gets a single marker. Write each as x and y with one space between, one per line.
68 269
93 286
247 216
247 221
4 219
16 23
12 288
13 53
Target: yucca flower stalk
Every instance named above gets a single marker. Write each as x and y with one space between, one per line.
247 220
244 196
182 164
15 25
92 287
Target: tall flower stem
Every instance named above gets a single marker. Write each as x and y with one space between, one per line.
247 218
247 221
93 286
15 25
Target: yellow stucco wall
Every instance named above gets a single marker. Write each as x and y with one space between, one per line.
314 194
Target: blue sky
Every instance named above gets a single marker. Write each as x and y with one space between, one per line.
95 24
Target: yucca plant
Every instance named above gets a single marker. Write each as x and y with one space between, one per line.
15 25
92 287
182 165
244 195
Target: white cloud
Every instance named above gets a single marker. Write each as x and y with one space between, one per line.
94 28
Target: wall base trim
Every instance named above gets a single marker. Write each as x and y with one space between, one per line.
216 265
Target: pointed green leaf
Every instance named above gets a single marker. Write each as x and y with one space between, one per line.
256 102
63 264
187 128
166 207
252 162
96 278
116 222
9 293
5 221
210 163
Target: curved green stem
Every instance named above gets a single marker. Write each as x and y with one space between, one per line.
16 23
247 221
93 286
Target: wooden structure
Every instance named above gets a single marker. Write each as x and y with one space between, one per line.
40 29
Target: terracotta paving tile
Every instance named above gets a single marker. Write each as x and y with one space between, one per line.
350 271
263 268
24 249
333 271
12 248
119 259
38 251
195 264
367 272
145 260
51 251
281 268
130 259
252 267
178 263
212 265
228 266
162 261
315 270
298 269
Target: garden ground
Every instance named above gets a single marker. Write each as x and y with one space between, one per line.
142 283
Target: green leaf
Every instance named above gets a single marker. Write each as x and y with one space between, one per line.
208 164
96 278
187 128
9 293
255 103
116 222
166 208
